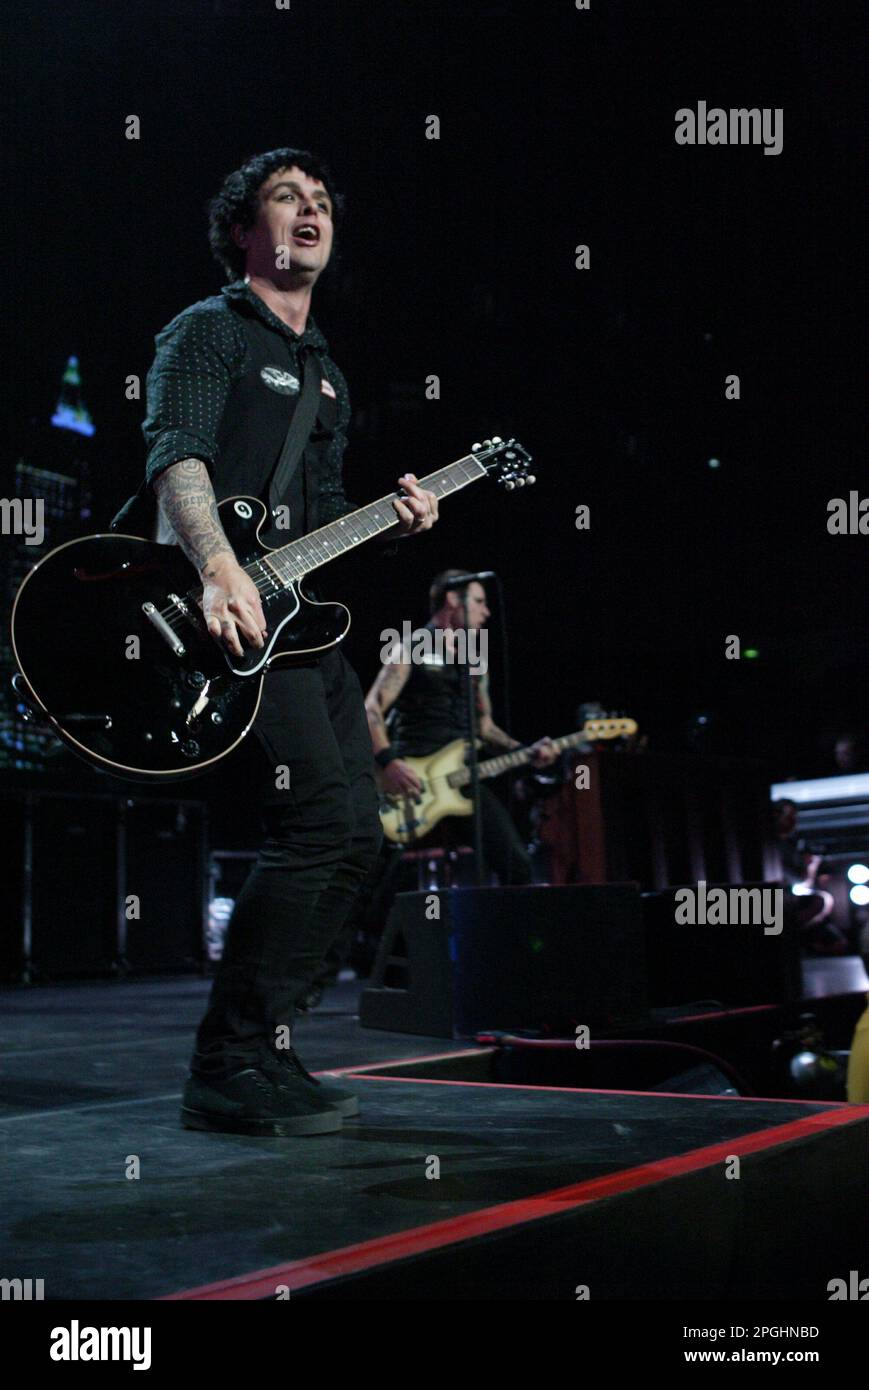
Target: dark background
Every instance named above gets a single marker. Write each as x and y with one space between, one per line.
457 258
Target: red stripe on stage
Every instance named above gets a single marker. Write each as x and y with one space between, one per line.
403 1061
589 1090
369 1254
722 1013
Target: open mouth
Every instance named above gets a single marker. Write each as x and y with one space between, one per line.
306 234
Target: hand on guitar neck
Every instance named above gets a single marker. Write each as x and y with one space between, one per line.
545 752
230 602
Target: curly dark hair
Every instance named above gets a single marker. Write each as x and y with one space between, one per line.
236 203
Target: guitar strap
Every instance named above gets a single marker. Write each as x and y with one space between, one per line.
298 433
138 515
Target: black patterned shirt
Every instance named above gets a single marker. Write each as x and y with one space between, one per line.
224 383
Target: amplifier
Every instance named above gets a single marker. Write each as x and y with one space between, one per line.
102 885
455 962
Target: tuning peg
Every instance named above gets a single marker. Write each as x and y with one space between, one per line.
496 439
487 443
509 484
530 479
475 448
520 482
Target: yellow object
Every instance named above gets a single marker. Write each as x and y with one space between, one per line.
858 1062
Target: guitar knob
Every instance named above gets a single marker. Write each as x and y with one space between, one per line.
190 748
194 680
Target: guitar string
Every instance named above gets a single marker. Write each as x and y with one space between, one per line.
464 772
266 583
175 617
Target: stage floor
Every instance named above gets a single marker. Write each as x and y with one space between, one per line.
540 1190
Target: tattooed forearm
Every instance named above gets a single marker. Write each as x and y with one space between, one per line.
490 733
376 724
383 693
188 503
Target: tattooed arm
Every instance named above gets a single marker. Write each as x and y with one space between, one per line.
188 504
545 751
486 726
230 599
383 694
397 776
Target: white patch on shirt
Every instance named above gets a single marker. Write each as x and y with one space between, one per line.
279 380
327 389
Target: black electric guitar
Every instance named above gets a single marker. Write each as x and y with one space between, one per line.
114 652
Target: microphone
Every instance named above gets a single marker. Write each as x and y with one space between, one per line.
459 581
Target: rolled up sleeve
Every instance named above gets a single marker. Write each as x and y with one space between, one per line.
196 358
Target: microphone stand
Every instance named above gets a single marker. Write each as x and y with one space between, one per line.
473 761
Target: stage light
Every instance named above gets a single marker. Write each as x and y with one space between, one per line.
858 873
713 463
859 894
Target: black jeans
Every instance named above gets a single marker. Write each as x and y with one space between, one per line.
322 838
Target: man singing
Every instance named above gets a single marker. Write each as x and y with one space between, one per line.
220 394
428 707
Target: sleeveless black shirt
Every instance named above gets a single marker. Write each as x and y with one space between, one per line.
431 709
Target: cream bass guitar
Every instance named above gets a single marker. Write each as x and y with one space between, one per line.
444 775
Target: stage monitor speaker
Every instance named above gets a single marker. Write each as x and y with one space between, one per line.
166 870
100 884
73 849
736 965
453 963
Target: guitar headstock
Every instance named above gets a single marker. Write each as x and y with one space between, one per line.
506 460
604 727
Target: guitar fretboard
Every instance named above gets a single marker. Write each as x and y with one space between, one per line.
492 767
298 558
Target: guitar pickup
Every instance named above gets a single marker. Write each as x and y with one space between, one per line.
159 622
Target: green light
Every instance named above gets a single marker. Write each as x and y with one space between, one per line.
751 653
